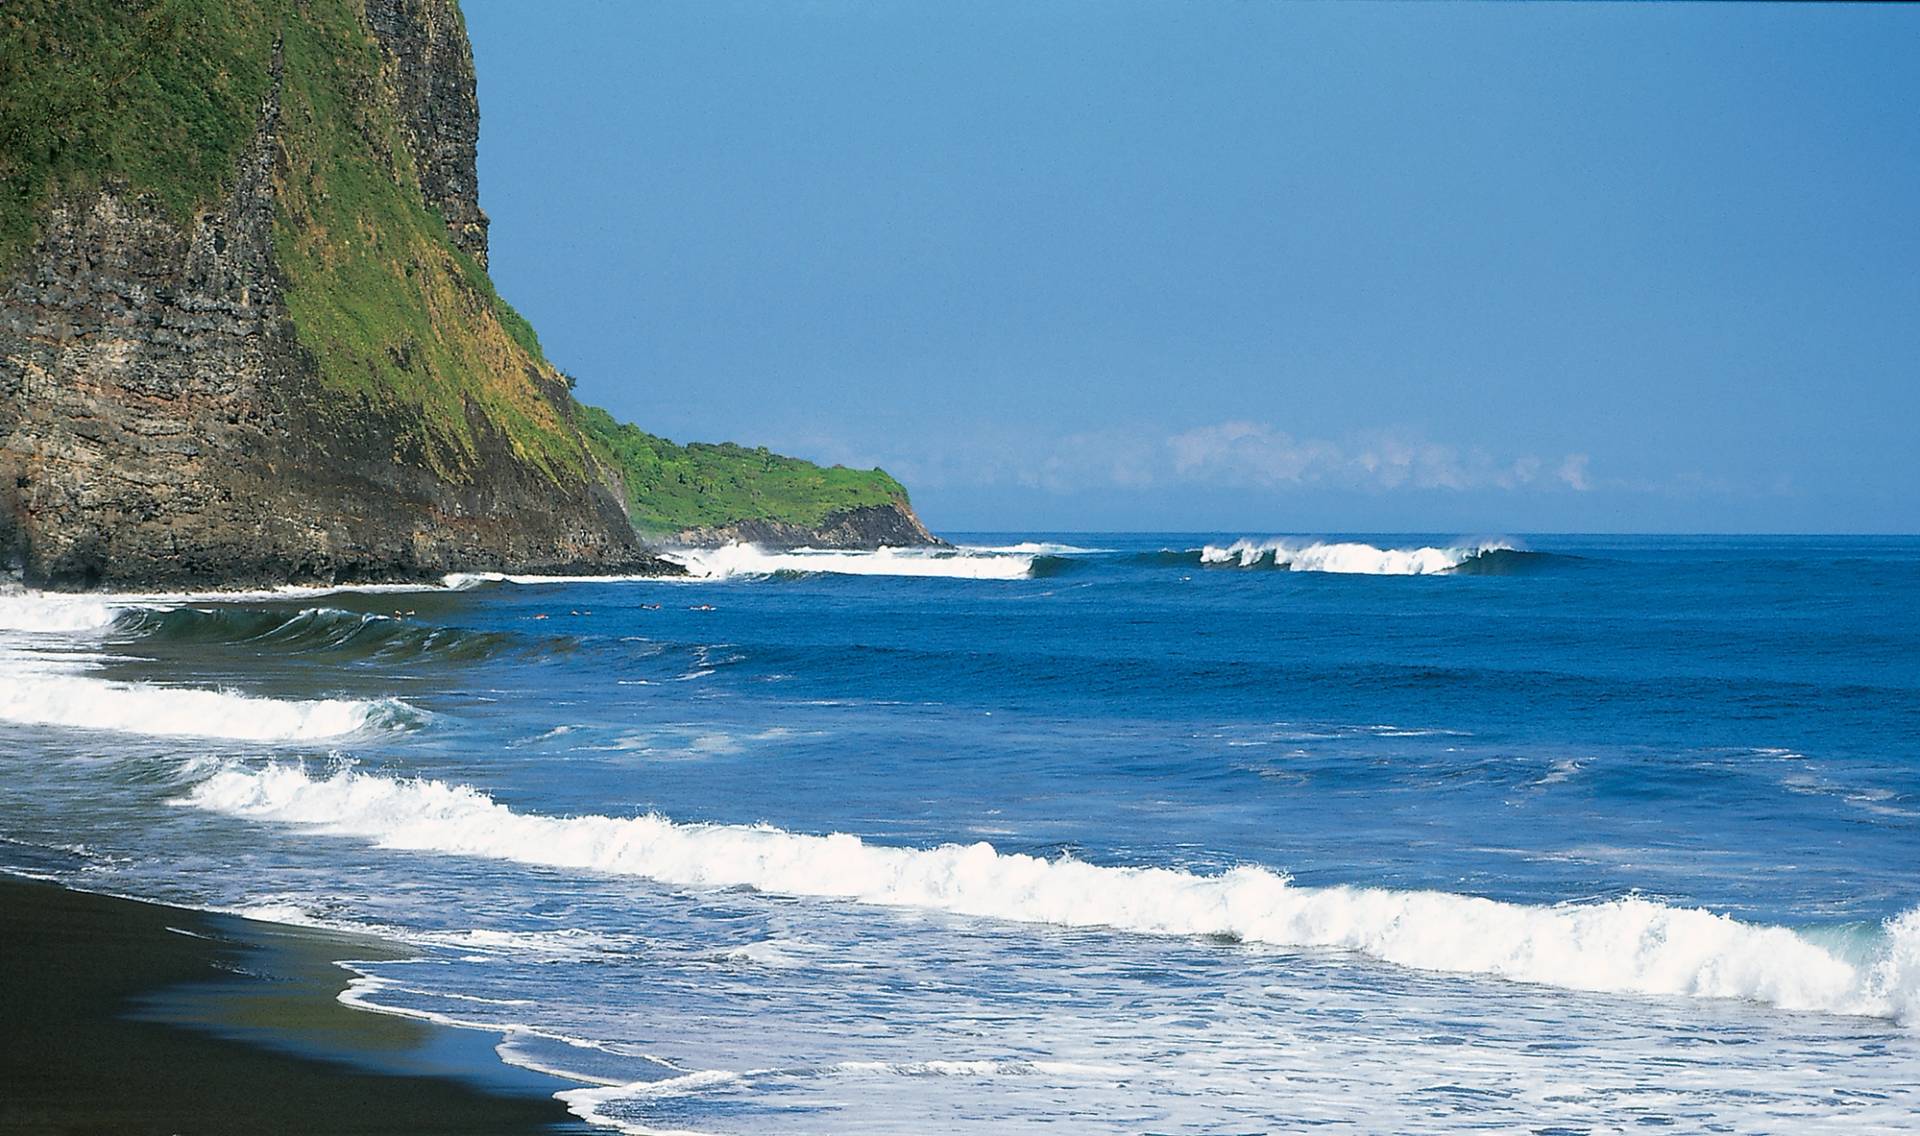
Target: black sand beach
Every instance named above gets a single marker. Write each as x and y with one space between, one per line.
125 1017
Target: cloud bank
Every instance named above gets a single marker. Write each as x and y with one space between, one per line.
1255 455
1226 455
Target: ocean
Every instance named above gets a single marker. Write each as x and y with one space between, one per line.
1130 833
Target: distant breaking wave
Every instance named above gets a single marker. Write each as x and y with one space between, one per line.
84 702
738 560
38 612
468 581
1350 557
1635 946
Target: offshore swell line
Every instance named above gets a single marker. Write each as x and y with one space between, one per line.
39 612
1032 559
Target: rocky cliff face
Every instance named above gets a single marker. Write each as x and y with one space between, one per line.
247 334
163 419
430 69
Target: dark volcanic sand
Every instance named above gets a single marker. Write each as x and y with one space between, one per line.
112 1020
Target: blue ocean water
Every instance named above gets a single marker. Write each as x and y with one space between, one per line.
1112 832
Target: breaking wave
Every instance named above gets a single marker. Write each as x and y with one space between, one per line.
40 612
468 581
1633 945
1048 565
1513 562
1351 557
736 560
83 702
43 688
324 631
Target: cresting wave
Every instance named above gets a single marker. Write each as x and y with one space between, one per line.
736 560
1349 557
83 702
324 631
468 581
44 690
39 613
1633 946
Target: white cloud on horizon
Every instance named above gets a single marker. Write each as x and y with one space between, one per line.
1573 471
1255 455
1233 455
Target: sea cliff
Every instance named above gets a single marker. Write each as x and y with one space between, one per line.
247 333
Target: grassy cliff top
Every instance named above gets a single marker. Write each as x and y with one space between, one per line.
163 95
672 487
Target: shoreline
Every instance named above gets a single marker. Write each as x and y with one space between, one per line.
655 566
125 1016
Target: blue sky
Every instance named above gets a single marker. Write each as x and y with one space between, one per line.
1239 266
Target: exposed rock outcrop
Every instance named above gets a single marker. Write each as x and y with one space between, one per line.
870 526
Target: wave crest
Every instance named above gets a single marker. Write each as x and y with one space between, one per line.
50 689
1624 946
315 630
82 702
735 560
40 612
1348 557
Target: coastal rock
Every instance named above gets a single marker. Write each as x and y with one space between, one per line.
868 526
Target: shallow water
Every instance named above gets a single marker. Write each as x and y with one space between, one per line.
1166 833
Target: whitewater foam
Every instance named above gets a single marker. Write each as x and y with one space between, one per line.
467 581
1630 945
736 560
48 688
1349 557
590 1104
83 702
56 614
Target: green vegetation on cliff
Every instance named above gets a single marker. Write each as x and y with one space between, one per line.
163 95
672 487
390 308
